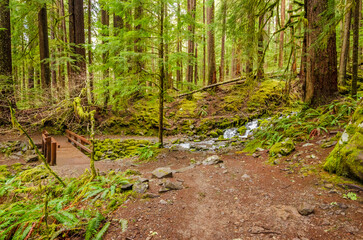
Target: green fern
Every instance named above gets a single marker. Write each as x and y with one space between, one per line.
93 225
102 232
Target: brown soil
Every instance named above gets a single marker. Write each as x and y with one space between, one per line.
248 199
244 198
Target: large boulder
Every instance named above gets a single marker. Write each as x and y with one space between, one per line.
347 157
283 148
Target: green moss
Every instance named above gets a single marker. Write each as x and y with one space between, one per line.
284 148
242 130
186 109
347 157
4 172
269 96
213 134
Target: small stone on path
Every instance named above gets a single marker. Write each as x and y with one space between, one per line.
306 209
31 158
215 159
168 186
140 187
164 172
308 144
126 187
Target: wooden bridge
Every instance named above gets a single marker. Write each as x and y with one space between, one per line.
62 150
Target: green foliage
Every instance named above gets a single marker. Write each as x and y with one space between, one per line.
82 204
148 152
351 196
300 126
116 149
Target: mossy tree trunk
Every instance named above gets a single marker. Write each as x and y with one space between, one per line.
44 47
6 80
162 75
321 70
355 47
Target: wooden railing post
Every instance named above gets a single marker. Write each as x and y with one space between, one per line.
48 142
53 158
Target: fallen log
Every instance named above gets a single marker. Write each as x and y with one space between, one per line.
236 80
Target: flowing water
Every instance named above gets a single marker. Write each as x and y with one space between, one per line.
230 134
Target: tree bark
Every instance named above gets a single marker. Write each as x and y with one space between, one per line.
281 48
250 42
179 48
162 75
44 47
6 80
105 21
224 16
196 65
211 49
321 72
90 72
138 49
191 29
204 43
77 79
260 53
345 46
355 47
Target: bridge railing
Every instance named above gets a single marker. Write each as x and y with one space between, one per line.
78 140
49 148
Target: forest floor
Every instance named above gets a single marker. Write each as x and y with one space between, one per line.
242 198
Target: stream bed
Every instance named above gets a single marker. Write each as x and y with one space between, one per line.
230 136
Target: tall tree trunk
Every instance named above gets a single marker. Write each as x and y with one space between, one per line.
293 45
162 75
196 65
179 49
105 21
89 35
53 73
204 44
168 78
61 68
44 47
211 49
355 47
137 42
321 72
281 49
223 51
250 42
77 38
260 53
345 46
191 29
303 64
6 80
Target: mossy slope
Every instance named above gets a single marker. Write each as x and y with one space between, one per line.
347 157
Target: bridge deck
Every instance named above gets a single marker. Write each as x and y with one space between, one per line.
67 154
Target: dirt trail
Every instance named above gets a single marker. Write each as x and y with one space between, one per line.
244 198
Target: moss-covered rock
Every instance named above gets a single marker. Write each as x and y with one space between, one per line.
116 149
283 148
242 130
347 157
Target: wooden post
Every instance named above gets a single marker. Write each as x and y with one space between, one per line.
48 142
53 159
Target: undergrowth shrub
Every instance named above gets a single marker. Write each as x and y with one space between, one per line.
35 206
303 125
